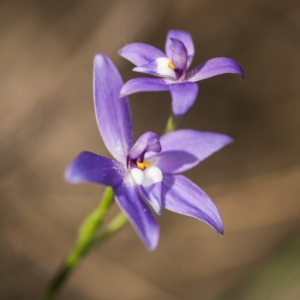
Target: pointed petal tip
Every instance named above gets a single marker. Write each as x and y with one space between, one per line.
220 229
100 58
176 32
226 140
217 225
230 140
240 73
152 247
139 69
157 208
67 175
122 94
70 174
158 211
124 91
152 243
120 51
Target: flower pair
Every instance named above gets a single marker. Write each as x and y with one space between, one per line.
145 174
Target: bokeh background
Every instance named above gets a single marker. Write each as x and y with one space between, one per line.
47 118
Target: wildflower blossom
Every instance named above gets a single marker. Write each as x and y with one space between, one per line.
172 67
144 172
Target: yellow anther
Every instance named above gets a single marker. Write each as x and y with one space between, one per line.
170 65
143 165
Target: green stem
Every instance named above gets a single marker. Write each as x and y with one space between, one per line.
172 124
112 228
85 239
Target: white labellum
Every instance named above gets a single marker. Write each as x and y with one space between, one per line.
147 177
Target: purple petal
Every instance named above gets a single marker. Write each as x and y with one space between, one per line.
112 113
186 39
184 149
153 195
179 56
90 167
150 68
213 67
184 197
143 85
139 214
148 141
184 95
140 54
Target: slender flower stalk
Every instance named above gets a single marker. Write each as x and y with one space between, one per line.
85 240
172 124
111 229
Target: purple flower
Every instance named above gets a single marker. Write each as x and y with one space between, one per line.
144 172
172 66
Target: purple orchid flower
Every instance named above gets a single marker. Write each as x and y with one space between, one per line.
145 171
172 66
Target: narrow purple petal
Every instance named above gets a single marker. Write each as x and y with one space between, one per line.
179 56
149 141
150 68
184 149
153 195
143 85
90 167
140 54
186 39
184 197
213 67
184 95
112 113
139 214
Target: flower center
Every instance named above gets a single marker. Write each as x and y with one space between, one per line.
143 165
138 163
170 65
177 71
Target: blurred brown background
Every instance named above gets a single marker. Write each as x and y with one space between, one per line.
47 118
